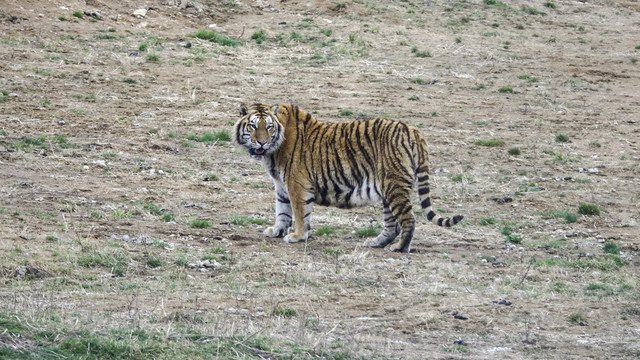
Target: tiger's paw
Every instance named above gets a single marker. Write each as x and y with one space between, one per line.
293 238
275 232
398 248
374 243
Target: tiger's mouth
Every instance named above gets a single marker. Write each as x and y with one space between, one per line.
257 152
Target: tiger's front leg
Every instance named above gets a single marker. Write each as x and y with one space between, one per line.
302 204
284 215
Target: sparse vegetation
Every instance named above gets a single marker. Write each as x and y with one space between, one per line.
325 231
611 248
561 138
200 224
369 230
514 151
588 209
101 180
216 38
259 36
490 142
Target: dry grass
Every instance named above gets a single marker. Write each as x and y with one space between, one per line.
87 252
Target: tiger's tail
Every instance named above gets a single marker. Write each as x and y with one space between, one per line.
422 174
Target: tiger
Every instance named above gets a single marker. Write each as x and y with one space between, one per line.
338 164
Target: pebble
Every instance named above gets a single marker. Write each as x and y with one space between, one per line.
502 199
590 171
140 13
502 302
61 122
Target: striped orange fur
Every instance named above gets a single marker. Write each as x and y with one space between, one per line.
343 165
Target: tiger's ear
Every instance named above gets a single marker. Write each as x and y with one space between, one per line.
274 110
243 109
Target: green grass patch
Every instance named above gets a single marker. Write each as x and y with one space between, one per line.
116 261
568 216
325 231
489 142
216 38
487 221
243 220
528 78
259 36
505 89
28 143
200 224
561 138
514 239
577 319
611 248
514 151
460 178
589 209
369 230
284 312
221 136
154 263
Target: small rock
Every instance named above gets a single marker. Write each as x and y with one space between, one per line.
441 170
499 264
502 199
140 13
259 309
126 238
61 122
502 302
85 168
460 342
460 317
203 270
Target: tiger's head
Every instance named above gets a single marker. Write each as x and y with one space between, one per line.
259 129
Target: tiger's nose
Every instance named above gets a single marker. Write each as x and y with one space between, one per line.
261 142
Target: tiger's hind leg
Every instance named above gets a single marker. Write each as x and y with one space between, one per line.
401 208
390 232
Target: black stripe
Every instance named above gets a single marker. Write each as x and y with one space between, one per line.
447 223
307 214
285 215
309 201
431 215
426 203
440 221
422 179
283 200
423 191
306 120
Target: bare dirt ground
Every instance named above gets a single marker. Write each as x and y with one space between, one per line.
108 126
